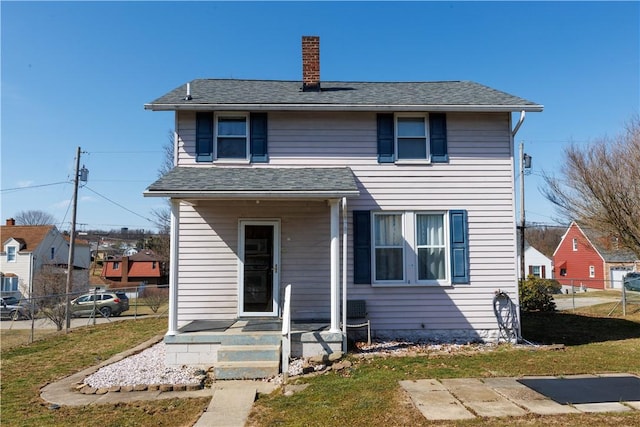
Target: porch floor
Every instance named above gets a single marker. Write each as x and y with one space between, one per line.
236 326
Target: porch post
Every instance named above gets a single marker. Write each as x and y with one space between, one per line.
173 268
335 266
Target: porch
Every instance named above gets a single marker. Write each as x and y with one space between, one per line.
247 348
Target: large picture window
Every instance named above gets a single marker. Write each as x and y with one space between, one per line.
9 284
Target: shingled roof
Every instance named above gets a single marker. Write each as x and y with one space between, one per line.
232 94
229 182
29 236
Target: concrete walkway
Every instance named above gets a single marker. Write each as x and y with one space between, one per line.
230 406
466 398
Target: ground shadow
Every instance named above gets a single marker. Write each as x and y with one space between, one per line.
575 329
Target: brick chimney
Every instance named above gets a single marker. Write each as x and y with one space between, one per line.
11 221
310 63
125 269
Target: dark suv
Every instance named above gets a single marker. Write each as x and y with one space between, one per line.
108 303
11 308
632 282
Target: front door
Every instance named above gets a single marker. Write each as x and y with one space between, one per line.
259 259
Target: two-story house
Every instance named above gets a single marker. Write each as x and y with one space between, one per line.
400 194
27 248
586 259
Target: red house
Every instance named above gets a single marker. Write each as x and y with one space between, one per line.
131 270
590 260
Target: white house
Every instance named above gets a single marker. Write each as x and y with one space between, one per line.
399 194
536 263
27 248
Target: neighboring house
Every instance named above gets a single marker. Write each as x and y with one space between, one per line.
27 248
587 259
536 263
396 193
132 270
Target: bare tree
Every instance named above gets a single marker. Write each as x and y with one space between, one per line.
600 186
49 288
163 215
544 238
34 217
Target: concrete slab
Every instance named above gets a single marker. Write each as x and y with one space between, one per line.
602 407
634 405
481 399
434 401
230 405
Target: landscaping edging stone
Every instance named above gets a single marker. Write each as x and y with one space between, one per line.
82 388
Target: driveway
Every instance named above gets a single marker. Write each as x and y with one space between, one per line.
75 322
568 303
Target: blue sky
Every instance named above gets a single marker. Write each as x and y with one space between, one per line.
76 74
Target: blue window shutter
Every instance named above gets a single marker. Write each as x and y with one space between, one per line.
258 143
385 138
459 247
204 137
361 247
438 137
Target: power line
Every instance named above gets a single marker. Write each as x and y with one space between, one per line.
118 204
27 187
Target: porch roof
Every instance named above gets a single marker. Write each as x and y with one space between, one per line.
249 182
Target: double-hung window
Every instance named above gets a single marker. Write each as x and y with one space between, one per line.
411 138
389 247
232 136
431 247
11 253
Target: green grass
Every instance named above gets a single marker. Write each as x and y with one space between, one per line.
25 369
369 394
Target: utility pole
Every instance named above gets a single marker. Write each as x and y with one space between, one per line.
525 163
72 239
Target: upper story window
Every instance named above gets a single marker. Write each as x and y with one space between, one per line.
231 136
411 137
153 265
575 244
53 253
11 253
592 271
116 265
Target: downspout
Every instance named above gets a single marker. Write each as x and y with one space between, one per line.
520 121
513 136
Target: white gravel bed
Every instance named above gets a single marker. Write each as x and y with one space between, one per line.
145 368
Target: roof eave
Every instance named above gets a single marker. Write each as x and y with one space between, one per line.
342 107
238 194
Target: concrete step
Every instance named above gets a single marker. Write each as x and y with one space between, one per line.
248 353
246 370
256 338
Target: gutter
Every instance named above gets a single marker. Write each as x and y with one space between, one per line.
222 195
342 107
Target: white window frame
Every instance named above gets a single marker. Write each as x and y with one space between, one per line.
592 271
575 244
396 137
12 253
410 249
247 136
